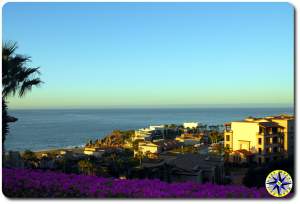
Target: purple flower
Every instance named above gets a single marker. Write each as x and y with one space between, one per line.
26 183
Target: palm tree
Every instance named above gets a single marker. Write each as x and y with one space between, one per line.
140 157
17 78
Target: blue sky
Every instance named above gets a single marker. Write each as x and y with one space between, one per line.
155 54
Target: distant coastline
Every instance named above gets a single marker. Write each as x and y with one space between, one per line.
74 127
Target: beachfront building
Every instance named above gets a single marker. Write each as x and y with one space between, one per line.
190 125
147 133
142 134
269 138
93 151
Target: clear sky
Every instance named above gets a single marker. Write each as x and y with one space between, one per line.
155 54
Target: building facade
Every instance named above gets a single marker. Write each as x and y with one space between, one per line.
270 138
94 151
190 125
146 133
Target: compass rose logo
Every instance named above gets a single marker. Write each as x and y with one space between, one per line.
279 183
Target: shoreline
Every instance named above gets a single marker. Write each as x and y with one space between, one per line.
55 150
58 150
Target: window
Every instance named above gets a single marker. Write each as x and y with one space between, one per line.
259 141
227 138
275 140
259 150
269 130
275 149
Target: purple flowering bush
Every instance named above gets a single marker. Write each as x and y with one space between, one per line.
25 183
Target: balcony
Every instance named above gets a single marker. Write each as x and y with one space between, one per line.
265 134
273 145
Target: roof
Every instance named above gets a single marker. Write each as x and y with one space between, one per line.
267 118
195 162
148 144
269 124
283 117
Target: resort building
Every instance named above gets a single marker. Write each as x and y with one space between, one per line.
142 134
269 138
190 125
156 146
94 151
287 122
147 133
145 147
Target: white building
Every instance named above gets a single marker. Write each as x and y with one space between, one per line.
149 147
142 134
190 125
97 152
156 127
145 133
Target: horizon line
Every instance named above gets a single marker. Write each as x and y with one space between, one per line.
159 106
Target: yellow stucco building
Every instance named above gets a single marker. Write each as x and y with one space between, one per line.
269 138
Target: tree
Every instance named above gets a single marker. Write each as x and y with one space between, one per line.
30 159
29 155
4 124
213 135
140 157
17 79
86 167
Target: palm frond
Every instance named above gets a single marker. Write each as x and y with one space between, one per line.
26 73
17 77
27 85
9 49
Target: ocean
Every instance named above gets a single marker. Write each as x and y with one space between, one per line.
48 129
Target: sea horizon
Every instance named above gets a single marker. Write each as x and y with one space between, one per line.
159 107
